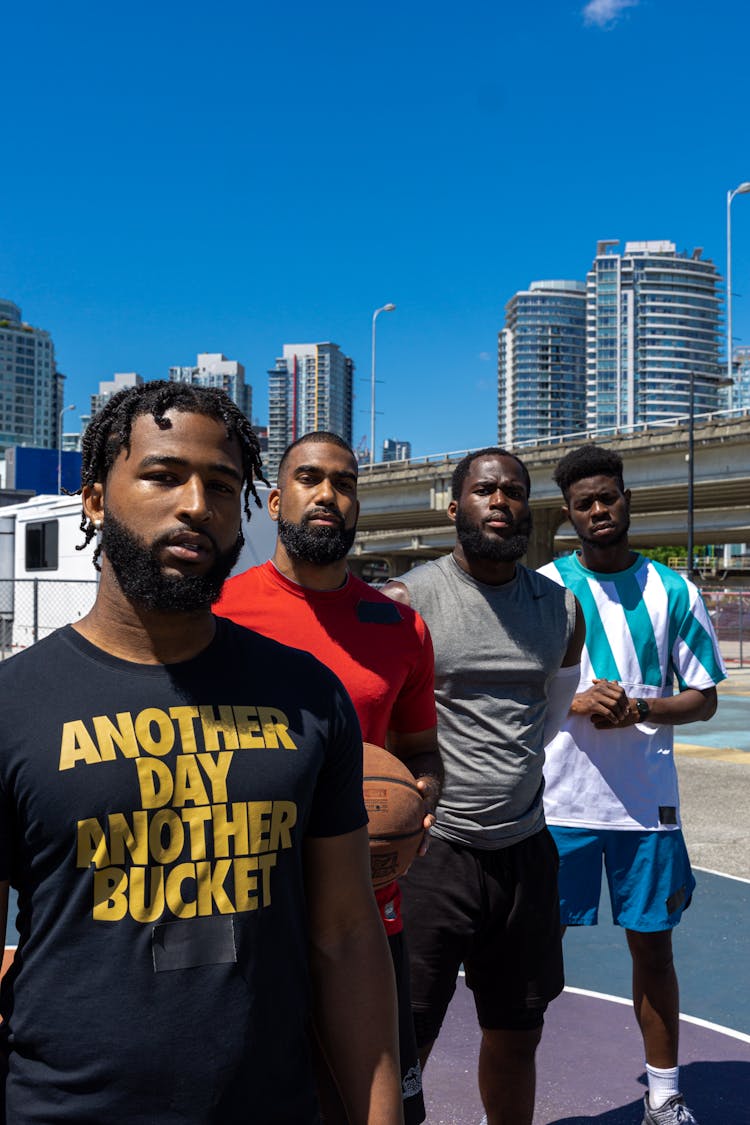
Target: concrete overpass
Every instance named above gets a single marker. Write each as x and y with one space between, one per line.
404 504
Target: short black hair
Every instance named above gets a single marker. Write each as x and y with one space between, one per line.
461 470
319 437
588 461
109 432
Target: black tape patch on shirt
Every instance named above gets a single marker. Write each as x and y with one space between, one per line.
378 613
667 814
190 943
675 901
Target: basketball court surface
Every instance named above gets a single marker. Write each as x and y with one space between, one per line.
590 1063
590 1066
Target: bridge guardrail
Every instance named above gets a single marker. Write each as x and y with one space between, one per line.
576 438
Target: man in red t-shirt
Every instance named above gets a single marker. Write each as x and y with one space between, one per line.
306 597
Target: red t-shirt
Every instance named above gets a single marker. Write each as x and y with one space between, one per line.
380 650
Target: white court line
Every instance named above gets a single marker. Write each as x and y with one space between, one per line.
721 874
688 1019
741 1035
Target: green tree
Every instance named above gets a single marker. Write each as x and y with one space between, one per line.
664 554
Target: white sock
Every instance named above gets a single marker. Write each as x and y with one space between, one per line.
662 1084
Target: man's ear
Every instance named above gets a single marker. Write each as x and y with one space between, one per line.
627 494
92 500
452 509
274 499
566 512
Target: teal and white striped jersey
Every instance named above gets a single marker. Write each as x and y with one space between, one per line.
645 627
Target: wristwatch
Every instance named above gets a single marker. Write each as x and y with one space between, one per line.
643 707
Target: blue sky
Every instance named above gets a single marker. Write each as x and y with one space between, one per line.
182 177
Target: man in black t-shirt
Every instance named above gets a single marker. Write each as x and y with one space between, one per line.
181 813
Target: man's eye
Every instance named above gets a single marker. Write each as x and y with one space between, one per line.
161 477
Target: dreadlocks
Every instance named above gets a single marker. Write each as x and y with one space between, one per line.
109 432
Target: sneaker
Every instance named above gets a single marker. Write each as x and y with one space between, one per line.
673 1112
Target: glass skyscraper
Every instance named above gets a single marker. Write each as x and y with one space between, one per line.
542 363
740 395
310 388
214 370
652 317
31 387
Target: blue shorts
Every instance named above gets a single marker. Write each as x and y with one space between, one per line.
649 876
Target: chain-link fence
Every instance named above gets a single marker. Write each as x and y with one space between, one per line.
730 614
30 608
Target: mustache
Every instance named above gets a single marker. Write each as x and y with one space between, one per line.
323 513
177 533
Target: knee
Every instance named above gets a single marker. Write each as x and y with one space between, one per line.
652 953
505 1047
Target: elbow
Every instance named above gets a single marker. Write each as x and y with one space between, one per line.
711 703
710 710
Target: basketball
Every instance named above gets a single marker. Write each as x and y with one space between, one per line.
396 811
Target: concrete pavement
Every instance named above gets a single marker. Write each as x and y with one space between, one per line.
713 763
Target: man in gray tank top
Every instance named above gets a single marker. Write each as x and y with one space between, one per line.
507 648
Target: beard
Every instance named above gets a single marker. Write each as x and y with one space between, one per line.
477 544
318 545
139 573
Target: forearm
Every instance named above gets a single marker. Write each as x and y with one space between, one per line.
689 706
354 1000
419 752
428 766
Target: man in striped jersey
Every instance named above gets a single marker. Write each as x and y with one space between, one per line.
611 785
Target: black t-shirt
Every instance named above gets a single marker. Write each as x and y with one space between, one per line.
152 820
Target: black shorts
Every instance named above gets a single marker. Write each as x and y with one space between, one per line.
497 912
411 1074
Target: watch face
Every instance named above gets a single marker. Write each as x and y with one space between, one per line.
643 708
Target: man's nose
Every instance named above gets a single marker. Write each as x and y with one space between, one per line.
325 493
193 500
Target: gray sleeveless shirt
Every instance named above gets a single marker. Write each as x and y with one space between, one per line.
496 649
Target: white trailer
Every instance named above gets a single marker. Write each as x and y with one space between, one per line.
45 582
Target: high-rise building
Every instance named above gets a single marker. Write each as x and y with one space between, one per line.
394 450
652 317
740 396
542 363
310 388
109 387
214 370
31 387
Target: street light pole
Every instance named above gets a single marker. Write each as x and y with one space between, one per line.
691 470
743 189
691 477
59 447
386 308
